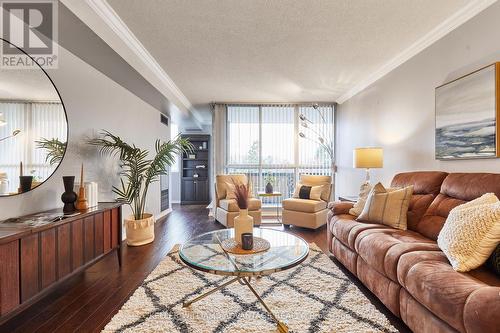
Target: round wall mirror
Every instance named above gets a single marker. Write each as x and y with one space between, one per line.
33 128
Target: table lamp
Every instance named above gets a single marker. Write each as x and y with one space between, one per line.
368 158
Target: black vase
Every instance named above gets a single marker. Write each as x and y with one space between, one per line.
69 196
25 183
269 188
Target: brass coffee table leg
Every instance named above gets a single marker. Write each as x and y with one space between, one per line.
281 326
186 304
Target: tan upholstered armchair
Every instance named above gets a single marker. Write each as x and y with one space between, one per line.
226 210
308 213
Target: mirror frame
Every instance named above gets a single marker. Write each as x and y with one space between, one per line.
65 116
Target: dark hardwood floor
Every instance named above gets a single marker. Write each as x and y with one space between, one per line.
87 301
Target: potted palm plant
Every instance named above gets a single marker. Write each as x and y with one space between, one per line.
138 173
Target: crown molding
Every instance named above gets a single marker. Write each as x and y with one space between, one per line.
447 26
116 24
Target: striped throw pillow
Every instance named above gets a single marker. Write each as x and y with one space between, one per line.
387 207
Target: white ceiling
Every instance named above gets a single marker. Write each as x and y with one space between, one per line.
26 85
277 51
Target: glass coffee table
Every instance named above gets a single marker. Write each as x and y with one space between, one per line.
204 253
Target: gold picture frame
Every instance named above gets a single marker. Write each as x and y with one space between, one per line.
467 110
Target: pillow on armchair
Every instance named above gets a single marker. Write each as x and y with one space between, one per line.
308 192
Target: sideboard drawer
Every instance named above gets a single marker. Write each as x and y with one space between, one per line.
9 276
48 258
29 267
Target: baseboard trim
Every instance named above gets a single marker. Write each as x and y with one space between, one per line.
163 214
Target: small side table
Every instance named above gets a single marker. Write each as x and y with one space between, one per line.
274 194
348 198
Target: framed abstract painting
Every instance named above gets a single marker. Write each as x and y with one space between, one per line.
467 110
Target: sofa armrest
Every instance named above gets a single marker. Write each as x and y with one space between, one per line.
340 207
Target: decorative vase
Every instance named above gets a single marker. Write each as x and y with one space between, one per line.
269 188
81 201
69 196
243 223
25 183
140 232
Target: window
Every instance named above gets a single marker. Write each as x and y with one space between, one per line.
263 142
36 121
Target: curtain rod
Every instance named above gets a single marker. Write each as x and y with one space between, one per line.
274 103
28 101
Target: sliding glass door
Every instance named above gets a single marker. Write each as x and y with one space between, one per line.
263 142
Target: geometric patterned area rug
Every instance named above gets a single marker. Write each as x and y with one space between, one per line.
315 296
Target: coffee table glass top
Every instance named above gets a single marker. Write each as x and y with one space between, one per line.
205 253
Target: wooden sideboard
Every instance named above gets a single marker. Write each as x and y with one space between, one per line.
34 260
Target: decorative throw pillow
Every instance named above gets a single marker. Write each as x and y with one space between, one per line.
387 207
471 233
308 192
493 262
364 190
231 188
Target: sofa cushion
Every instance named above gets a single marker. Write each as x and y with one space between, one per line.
304 205
434 218
345 228
424 182
431 280
231 206
426 185
410 259
457 188
382 248
469 186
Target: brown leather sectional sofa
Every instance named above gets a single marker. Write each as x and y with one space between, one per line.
406 269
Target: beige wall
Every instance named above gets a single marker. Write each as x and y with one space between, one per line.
397 112
93 102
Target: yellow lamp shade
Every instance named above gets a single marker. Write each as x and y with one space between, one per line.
368 158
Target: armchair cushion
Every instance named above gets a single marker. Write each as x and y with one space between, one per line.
304 205
231 206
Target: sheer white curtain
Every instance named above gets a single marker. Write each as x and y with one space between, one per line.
36 121
218 148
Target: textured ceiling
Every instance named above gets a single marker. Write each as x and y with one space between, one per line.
26 84
277 50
